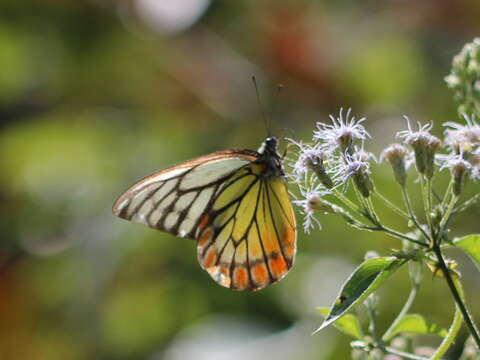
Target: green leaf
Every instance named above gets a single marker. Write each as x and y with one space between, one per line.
471 245
348 324
365 280
416 324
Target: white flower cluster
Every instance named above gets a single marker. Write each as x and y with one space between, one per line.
330 161
336 156
463 145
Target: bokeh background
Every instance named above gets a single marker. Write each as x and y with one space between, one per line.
96 94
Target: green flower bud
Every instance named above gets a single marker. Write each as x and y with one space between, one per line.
464 78
396 155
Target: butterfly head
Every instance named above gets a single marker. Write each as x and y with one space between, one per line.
269 155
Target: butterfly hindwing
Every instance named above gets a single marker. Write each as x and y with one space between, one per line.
249 242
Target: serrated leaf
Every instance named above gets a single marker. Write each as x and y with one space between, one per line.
471 245
416 324
362 282
348 324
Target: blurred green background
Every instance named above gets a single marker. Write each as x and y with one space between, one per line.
96 94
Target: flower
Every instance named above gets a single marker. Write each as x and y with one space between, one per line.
341 134
424 145
312 201
462 138
357 167
310 158
460 169
413 138
464 78
300 165
398 157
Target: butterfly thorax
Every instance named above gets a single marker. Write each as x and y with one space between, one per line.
270 158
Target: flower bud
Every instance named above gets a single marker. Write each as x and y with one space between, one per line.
424 146
460 172
315 163
464 78
363 182
460 169
396 155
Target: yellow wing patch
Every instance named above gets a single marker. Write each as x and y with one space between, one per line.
248 238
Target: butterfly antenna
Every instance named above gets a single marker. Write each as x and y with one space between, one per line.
289 143
275 99
266 120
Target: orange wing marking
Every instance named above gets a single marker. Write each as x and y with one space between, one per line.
240 278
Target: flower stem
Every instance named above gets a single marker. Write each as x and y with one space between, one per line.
413 217
403 354
397 234
391 205
406 307
467 204
446 216
447 194
354 207
427 204
452 333
371 210
467 318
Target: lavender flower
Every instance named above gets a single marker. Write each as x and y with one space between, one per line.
398 157
341 134
310 158
357 167
460 169
462 138
312 201
424 145
299 165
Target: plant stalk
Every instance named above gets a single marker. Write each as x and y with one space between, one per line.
408 204
467 318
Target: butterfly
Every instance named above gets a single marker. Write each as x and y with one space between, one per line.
234 203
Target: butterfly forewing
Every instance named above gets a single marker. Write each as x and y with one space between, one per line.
174 199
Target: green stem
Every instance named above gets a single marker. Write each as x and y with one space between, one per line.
446 217
467 204
391 205
361 200
447 194
397 234
403 354
406 307
372 327
371 210
451 335
348 202
427 205
457 294
428 202
413 217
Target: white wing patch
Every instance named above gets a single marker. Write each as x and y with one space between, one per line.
198 207
205 174
174 200
162 177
